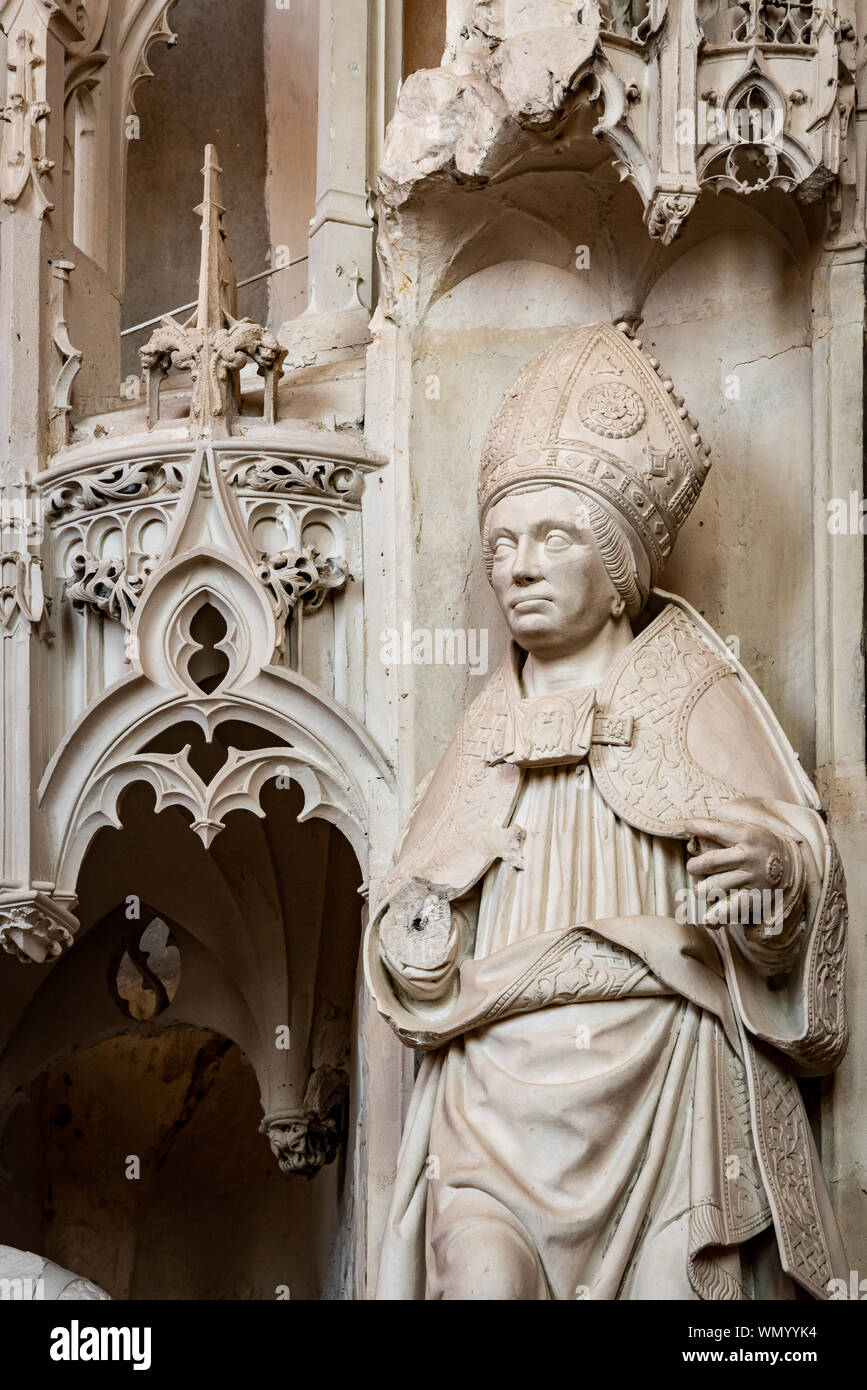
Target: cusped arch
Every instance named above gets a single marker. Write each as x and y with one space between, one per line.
317 744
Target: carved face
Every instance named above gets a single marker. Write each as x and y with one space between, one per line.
548 574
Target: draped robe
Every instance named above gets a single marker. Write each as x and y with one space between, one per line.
609 1081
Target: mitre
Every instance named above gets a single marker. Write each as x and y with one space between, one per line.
594 412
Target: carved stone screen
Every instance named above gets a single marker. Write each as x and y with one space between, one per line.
432 715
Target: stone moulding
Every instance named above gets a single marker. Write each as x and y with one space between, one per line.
23 161
146 23
70 356
237 786
21 592
341 774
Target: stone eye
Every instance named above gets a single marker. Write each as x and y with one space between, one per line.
557 540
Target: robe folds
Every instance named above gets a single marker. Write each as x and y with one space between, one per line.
609 1081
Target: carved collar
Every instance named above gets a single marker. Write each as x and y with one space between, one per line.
552 730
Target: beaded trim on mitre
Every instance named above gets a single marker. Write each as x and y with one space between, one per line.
595 411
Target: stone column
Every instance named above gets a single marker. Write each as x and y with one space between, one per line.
291 56
838 404
341 232
33 924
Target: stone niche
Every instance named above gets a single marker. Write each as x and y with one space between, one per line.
540 179
134 1149
727 310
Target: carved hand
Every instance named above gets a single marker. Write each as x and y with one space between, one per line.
743 860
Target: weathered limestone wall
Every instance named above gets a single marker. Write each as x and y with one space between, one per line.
731 323
424 34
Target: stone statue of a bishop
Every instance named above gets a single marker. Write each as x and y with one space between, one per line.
615 925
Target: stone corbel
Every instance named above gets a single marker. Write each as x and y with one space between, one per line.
675 188
304 1140
667 213
35 927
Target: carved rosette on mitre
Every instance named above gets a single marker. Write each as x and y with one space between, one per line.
596 413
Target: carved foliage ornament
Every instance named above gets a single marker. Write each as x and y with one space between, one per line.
124 482
667 214
209 357
332 478
104 586
33 933
293 575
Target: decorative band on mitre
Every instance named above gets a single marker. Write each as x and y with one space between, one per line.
600 473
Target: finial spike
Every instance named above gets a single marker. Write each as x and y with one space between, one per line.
214 343
217 286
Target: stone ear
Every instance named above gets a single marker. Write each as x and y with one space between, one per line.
618 606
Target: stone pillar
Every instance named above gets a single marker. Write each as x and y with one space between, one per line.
341 232
838 404
291 58
32 924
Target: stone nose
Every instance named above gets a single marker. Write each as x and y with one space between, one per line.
527 567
